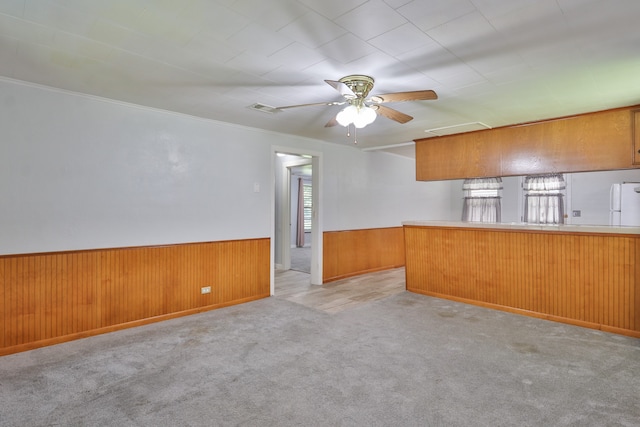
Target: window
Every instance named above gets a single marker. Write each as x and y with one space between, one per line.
543 199
482 200
308 206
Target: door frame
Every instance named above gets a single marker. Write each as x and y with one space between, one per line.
317 215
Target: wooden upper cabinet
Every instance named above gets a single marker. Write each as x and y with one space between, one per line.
525 148
444 160
588 142
636 136
597 142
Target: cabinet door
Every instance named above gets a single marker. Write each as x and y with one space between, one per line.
463 156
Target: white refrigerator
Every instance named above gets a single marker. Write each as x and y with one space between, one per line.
625 204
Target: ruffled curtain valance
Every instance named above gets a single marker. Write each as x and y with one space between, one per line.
482 184
547 182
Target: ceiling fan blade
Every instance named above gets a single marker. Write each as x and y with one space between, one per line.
392 114
342 88
331 123
311 105
417 95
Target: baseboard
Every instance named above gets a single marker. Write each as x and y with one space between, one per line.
361 272
529 313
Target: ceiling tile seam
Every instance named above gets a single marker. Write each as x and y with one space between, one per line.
339 16
516 52
278 30
408 18
387 31
285 47
83 37
426 33
438 42
461 59
347 31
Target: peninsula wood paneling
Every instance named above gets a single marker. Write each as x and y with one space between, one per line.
589 280
588 142
353 252
51 298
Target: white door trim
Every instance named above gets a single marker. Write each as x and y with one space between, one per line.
317 228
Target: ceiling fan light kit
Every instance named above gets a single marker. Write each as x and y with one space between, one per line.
359 116
361 110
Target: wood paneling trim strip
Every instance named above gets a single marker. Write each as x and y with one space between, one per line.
583 279
353 252
55 297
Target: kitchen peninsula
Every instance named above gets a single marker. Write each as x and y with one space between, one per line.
582 275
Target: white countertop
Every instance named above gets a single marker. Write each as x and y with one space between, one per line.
573 228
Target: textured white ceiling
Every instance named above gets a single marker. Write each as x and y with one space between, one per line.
495 62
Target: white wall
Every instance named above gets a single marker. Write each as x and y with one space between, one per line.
590 194
512 197
377 189
78 172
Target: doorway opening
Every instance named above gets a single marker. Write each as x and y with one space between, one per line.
296 241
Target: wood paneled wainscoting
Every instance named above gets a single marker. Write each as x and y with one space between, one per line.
352 252
55 297
585 279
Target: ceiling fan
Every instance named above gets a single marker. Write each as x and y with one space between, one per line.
361 110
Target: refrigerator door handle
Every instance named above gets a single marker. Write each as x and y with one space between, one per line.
611 203
612 191
615 197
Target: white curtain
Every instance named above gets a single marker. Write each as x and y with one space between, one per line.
482 200
482 209
544 203
544 208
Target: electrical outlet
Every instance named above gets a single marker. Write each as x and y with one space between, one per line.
205 290
577 214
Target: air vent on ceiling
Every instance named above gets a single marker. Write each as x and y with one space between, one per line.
461 128
264 108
